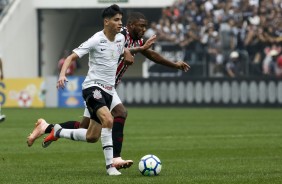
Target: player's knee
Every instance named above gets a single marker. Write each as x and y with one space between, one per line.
108 122
124 114
84 123
120 111
92 138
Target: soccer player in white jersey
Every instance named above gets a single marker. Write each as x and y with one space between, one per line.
133 33
104 49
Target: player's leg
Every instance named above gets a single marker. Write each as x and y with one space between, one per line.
93 105
90 135
42 127
119 113
119 163
99 108
86 118
93 134
68 125
84 122
2 116
73 124
106 119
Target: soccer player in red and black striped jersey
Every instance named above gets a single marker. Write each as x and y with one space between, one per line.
133 32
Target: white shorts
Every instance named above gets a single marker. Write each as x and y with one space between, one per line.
116 100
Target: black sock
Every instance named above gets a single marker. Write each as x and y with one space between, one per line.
70 124
67 125
49 129
118 135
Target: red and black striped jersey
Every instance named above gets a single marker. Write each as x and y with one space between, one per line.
129 43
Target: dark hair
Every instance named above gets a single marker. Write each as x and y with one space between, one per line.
135 16
111 11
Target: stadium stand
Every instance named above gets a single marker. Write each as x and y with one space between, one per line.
207 31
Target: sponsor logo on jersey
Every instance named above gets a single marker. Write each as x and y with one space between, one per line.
103 41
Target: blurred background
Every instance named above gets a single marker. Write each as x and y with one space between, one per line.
232 46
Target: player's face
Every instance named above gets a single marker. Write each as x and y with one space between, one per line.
115 23
138 28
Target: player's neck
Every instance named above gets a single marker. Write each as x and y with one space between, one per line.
130 32
110 35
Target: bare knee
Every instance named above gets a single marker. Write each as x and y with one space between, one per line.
93 133
84 123
92 138
119 111
107 122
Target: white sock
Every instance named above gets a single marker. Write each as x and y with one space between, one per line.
74 134
107 144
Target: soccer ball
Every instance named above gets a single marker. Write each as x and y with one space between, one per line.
150 165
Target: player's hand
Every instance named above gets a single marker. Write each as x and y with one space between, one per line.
128 58
149 42
61 82
182 66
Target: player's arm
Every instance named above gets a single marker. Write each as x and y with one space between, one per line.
62 78
146 46
157 58
128 58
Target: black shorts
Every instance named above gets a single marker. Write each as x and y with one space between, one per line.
96 98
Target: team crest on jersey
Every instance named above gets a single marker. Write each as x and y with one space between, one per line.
97 94
120 47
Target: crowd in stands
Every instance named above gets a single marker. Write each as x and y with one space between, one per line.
233 37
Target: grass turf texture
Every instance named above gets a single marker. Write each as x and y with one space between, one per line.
195 146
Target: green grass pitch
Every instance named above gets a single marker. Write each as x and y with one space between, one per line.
195 145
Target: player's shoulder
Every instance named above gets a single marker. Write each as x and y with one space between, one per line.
120 37
98 37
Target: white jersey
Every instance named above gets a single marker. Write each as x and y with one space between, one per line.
103 60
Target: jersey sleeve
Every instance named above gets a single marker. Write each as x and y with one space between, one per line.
85 47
